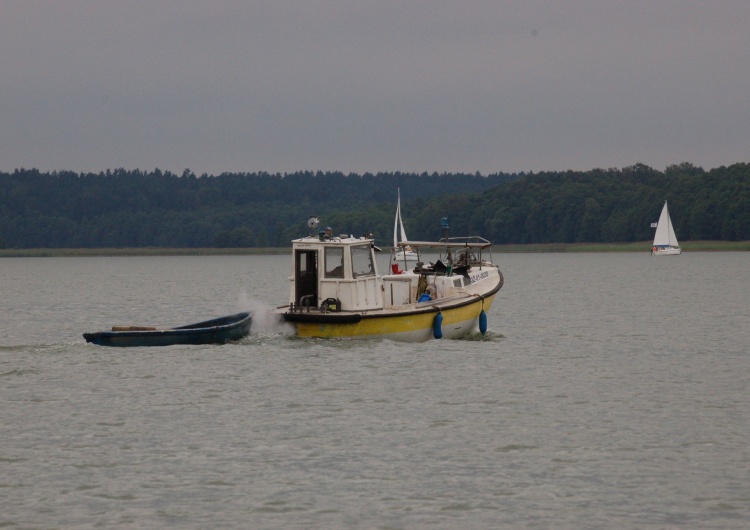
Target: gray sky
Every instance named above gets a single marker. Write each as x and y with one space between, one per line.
377 85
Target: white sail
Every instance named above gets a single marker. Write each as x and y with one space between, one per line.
398 223
664 230
665 240
405 254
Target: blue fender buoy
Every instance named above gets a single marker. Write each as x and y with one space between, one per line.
482 322
437 326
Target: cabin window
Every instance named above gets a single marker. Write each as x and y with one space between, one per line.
334 262
362 261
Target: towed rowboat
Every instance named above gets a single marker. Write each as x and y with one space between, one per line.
216 331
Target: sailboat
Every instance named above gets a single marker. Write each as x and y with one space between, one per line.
403 256
665 240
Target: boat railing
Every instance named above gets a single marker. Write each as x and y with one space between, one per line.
451 242
470 241
456 244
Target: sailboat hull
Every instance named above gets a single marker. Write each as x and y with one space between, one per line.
667 252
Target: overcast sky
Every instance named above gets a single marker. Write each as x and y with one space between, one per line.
379 85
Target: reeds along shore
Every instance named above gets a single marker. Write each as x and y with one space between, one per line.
641 246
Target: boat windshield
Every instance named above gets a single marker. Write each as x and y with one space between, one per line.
362 261
334 258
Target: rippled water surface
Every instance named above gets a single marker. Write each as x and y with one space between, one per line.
611 391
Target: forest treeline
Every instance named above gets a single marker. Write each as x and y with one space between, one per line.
133 208
123 208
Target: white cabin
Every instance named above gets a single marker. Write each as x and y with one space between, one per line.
340 273
335 268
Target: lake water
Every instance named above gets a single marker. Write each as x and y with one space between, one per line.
610 392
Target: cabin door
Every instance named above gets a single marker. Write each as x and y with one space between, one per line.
306 277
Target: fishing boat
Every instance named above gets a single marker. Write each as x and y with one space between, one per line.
336 290
403 257
215 331
665 240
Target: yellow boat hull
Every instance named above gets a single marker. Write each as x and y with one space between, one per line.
459 319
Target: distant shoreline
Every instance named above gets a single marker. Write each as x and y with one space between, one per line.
642 246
